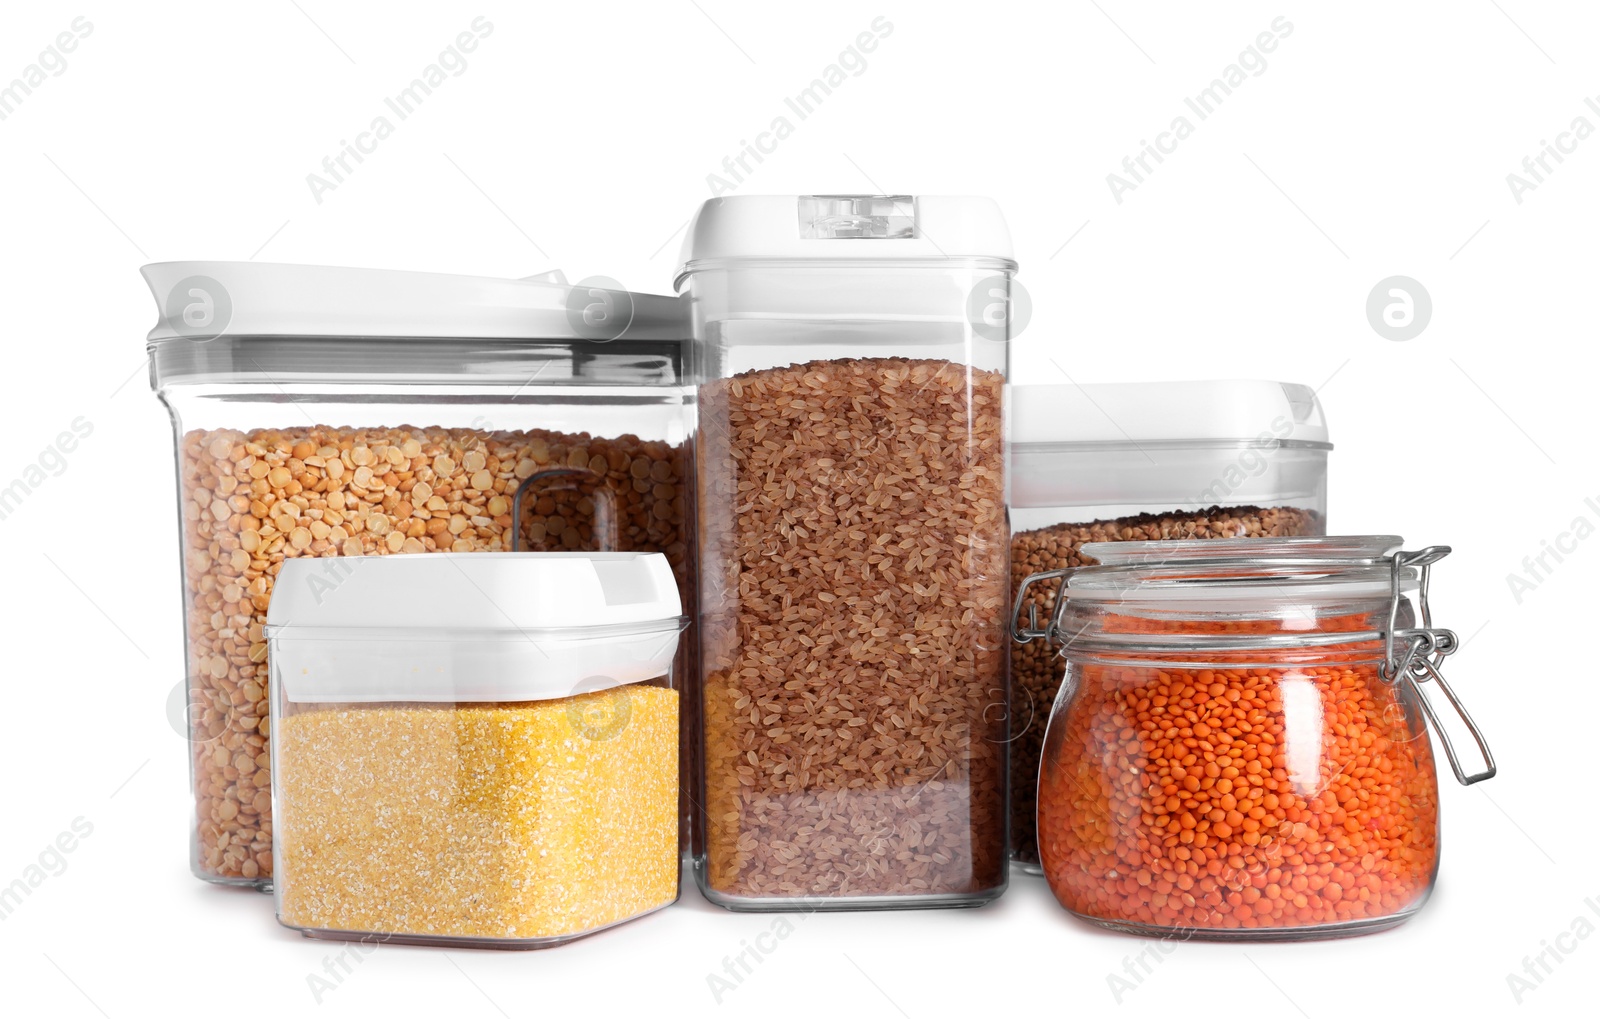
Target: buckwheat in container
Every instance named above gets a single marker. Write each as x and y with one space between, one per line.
1143 462
851 352
474 749
326 412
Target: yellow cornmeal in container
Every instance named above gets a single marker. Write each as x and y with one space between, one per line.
476 749
536 819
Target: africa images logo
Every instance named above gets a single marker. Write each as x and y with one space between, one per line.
1399 308
599 709
199 308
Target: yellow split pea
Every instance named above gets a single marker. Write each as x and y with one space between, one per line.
536 819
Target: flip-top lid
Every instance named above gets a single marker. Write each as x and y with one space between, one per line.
1166 446
1230 410
741 229
199 300
483 626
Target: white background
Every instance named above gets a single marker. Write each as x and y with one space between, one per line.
1376 142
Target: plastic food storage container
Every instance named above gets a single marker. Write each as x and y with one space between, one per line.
1143 461
851 353
1239 749
341 412
474 749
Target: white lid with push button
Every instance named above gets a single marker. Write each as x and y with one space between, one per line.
845 228
281 300
1126 448
1223 410
483 626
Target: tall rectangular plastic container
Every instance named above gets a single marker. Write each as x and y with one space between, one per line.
851 353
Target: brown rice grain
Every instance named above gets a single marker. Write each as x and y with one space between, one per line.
853 555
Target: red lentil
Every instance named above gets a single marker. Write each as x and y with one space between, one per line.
1185 797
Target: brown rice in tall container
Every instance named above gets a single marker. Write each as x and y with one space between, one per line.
852 353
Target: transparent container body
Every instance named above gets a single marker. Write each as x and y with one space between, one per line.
1066 495
508 824
1281 796
1243 745
852 552
294 446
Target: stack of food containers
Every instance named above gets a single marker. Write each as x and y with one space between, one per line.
852 544
1137 462
327 412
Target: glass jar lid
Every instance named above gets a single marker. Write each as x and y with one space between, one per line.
1292 585
1333 550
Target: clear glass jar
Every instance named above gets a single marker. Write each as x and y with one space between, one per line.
325 411
1239 749
476 750
1140 462
852 353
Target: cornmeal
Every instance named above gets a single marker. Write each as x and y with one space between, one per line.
537 819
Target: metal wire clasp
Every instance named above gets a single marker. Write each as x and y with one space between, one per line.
1416 654
1031 633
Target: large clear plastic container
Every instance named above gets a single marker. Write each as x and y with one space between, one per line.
327 412
1143 462
851 353
474 749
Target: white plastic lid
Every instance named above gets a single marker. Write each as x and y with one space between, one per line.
207 299
844 228
483 626
1155 412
